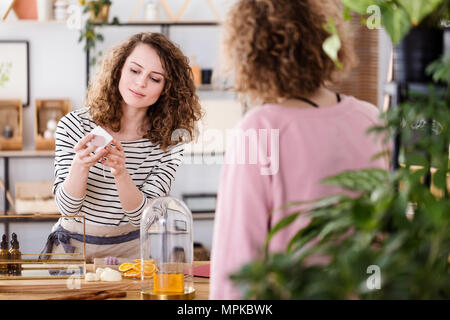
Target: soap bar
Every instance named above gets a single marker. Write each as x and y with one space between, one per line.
109 274
91 277
101 138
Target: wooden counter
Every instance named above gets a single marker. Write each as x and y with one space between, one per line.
43 289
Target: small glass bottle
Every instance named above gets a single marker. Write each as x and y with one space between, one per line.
4 256
15 254
196 71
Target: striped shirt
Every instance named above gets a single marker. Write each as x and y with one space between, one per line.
150 168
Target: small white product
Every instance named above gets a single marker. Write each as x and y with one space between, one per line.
90 276
151 11
51 125
101 138
98 272
48 134
61 7
109 274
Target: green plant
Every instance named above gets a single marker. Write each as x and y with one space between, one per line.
399 221
398 16
89 34
5 69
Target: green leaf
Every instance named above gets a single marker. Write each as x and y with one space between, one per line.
359 6
440 179
419 9
440 69
301 238
331 47
347 14
283 223
115 21
332 44
328 201
396 22
336 225
417 159
362 215
360 180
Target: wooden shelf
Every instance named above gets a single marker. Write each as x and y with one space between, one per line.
27 153
11 217
202 216
32 22
192 23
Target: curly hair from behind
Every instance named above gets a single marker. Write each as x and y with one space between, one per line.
274 47
178 106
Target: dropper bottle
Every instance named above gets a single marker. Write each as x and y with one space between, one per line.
15 268
4 256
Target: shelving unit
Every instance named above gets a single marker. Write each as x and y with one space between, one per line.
7 216
6 155
165 29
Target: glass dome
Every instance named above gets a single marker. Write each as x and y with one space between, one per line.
167 239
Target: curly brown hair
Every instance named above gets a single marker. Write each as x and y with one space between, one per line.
274 47
177 107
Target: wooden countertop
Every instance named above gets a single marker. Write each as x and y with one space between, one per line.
42 289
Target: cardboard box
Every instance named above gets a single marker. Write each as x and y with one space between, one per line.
11 116
45 110
35 198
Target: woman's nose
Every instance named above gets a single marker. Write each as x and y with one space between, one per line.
141 82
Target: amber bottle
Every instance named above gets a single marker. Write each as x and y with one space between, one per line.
15 268
196 71
4 256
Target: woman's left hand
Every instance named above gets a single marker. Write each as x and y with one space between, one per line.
115 158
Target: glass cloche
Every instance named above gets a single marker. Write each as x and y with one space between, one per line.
167 239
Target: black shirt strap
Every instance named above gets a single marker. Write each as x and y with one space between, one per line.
308 101
338 97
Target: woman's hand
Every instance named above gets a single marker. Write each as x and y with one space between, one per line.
115 159
84 159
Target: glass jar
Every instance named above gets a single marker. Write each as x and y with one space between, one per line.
167 239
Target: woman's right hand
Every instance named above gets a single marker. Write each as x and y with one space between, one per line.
84 159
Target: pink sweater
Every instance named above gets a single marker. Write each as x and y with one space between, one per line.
312 144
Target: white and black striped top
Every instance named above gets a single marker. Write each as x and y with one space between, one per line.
151 169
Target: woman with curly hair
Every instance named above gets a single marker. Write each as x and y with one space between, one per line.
274 48
143 92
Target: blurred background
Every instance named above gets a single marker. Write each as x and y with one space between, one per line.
59 67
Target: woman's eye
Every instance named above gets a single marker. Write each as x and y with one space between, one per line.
134 71
156 80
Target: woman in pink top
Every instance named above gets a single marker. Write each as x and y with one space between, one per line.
299 134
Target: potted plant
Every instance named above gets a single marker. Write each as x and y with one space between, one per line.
393 240
98 10
98 15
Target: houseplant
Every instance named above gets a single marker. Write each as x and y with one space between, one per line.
98 15
399 245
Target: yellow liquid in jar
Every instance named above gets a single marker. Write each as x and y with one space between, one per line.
168 283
